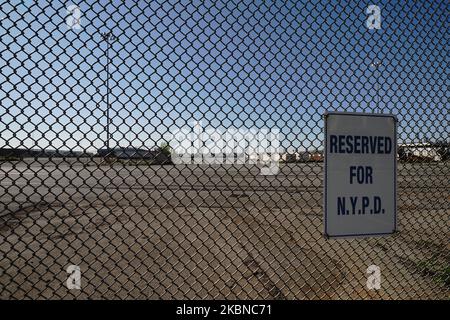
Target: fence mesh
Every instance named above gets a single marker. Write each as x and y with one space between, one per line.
95 95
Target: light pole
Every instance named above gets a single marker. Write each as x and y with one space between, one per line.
109 38
377 65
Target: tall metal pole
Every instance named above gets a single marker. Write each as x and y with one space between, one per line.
108 37
377 65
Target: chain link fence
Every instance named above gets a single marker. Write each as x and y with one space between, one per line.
101 197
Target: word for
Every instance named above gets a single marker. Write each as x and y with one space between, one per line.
362 174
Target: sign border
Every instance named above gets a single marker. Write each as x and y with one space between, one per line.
344 113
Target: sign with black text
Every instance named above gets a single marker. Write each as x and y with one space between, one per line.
360 174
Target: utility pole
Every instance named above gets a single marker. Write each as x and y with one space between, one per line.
377 65
109 38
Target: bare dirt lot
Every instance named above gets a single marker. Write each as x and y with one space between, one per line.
210 231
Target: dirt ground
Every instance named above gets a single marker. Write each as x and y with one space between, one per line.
223 232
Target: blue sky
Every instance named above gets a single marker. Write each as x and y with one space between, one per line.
251 64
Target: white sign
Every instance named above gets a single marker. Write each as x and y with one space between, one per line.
360 174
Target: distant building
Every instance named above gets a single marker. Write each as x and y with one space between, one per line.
220 158
302 156
316 156
42 153
419 152
156 156
290 157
